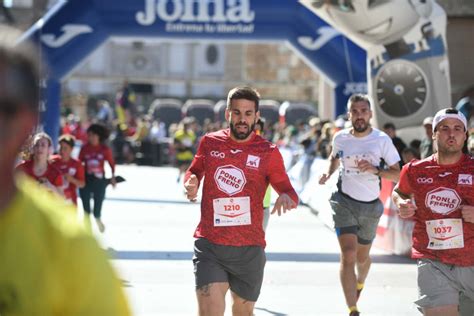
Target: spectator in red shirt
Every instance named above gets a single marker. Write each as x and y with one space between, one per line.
38 167
71 169
94 154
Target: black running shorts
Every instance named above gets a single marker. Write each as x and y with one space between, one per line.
241 267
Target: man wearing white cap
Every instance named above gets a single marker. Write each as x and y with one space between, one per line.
437 193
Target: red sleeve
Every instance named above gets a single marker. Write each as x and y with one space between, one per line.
404 183
57 176
26 168
279 178
110 158
82 153
197 165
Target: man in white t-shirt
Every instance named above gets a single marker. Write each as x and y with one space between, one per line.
365 155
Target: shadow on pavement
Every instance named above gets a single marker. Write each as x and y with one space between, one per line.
271 256
270 312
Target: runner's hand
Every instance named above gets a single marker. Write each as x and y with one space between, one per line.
366 166
283 203
407 208
323 178
191 186
467 212
113 182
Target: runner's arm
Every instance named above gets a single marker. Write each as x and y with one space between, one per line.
392 173
279 179
333 166
467 212
401 196
195 173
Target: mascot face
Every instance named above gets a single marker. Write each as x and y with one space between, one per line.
375 21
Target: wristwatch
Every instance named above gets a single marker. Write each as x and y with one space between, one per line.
378 171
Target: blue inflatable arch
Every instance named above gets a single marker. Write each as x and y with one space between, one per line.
73 29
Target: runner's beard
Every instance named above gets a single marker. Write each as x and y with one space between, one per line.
360 126
241 135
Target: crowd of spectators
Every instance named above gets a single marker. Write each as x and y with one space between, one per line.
147 140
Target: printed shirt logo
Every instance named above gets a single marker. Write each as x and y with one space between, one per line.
465 179
217 154
230 179
424 180
253 161
444 174
442 200
235 151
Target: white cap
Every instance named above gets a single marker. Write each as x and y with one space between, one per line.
428 121
449 113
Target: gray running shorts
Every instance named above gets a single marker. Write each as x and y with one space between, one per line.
442 284
364 217
241 267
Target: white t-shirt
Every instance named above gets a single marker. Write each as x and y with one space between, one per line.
362 186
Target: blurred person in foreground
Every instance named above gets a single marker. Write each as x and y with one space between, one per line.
49 265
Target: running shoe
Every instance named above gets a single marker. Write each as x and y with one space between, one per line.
358 293
354 313
100 225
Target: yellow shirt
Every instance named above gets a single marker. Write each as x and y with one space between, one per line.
49 265
186 139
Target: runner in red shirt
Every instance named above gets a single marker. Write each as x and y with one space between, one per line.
38 166
237 166
93 155
72 169
437 192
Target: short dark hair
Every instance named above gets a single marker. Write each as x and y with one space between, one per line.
357 98
19 72
246 93
389 125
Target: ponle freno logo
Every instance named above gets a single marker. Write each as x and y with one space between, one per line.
230 179
442 200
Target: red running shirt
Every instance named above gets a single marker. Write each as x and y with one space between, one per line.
236 176
52 174
94 157
73 167
438 191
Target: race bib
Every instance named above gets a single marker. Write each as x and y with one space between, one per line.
232 211
350 163
445 234
93 167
